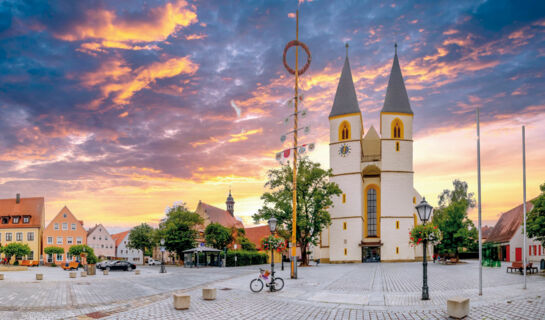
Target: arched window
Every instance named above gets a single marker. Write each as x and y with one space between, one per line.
344 131
397 129
371 212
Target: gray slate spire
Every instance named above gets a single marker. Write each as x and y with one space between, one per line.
396 99
346 101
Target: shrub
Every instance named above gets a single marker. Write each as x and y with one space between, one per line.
245 258
53 265
16 263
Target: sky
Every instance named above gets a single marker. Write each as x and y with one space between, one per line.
118 109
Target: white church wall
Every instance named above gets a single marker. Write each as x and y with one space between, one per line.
344 245
393 160
396 194
396 245
386 125
351 188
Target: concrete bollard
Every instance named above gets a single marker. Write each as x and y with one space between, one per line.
181 302
458 307
39 276
209 293
83 274
73 274
105 272
1 276
136 272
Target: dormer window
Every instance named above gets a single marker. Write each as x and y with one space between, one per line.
26 219
16 220
5 220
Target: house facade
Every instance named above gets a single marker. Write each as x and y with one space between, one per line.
22 221
101 241
122 251
64 231
372 218
508 237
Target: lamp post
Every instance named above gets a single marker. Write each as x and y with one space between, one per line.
424 212
272 227
163 269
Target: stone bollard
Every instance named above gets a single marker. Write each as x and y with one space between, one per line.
73 274
83 274
209 293
39 276
458 307
105 272
1 276
181 302
136 272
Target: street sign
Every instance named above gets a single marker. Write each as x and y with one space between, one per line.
162 249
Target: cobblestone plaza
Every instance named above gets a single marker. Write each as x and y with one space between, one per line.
348 291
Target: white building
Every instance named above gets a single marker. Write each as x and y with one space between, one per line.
371 220
101 241
122 251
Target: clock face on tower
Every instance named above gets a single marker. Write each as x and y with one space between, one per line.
344 150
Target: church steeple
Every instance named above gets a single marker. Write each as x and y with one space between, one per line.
346 101
230 203
396 99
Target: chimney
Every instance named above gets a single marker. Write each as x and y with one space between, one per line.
18 198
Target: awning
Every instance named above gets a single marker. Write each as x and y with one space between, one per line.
371 244
202 249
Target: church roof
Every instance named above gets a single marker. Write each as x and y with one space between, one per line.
346 101
507 225
372 134
396 99
223 217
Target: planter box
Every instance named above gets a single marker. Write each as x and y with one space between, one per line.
458 307
73 274
39 276
209 293
84 274
181 302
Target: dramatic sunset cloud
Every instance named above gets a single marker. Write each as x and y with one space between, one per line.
119 109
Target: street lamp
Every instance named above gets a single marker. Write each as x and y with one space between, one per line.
424 212
272 227
163 269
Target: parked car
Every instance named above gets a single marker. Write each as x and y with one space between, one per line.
152 262
103 264
121 265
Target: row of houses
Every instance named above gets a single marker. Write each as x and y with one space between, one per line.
22 220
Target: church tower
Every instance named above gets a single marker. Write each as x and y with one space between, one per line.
397 196
346 129
230 202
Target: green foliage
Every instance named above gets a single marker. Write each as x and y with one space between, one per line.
16 249
53 265
53 250
77 250
535 219
141 238
314 196
245 258
451 217
422 232
178 229
246 244
217 236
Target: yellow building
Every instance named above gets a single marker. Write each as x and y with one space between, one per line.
22 221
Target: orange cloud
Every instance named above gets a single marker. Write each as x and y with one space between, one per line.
195 36
244 135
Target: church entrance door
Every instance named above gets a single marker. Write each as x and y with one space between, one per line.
370 254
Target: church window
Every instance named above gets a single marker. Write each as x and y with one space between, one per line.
371 212
344 197
415 221
344 131
397 146
397 129
397 250
397 224
414 199
344 225
345 251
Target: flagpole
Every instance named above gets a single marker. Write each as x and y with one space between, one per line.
524 201
479 199
294 209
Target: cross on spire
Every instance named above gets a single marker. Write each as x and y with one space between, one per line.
346 45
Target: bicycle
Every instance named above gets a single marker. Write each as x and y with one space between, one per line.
276 283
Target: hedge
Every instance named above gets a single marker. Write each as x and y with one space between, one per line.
245 258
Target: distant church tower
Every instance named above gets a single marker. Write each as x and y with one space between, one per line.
346 129
230 204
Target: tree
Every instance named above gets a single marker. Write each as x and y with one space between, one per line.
52 251
314 196
451 218
178 229
218 236
77 250
141 238
535 219
16 249
245 243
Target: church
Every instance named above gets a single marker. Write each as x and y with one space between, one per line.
371 220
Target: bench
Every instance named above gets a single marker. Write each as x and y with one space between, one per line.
26 263
70 266
517 266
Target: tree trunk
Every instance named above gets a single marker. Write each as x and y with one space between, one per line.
304 256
